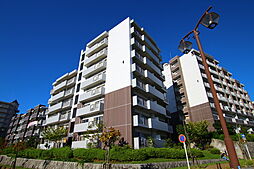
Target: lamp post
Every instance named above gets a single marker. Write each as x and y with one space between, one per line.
210 20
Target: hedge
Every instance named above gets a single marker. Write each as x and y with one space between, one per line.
88 154
116 153
214 151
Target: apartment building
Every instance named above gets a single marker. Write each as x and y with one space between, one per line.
120 84
60 102
7 111
187 84
24 126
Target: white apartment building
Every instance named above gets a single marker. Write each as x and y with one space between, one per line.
61 101
119 82
187 84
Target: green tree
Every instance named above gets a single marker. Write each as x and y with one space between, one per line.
32 142
54 135
197 133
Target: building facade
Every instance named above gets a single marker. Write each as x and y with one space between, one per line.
25 126
60 102
120 84
7 111
187 84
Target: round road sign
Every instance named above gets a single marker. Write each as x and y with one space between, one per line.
182 138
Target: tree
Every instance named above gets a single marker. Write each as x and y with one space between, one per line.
109 137
54 135
94 135
32 142
197 133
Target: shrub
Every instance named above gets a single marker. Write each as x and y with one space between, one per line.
250 137
88 155
214 151
62 153
196 153
30 153
127 154
47 154
8 150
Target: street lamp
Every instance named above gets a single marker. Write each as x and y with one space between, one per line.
210 20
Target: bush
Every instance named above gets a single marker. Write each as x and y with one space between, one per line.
250 137
47 154
214 151
8 150
127 154
89 155
195 152
62 153
30 153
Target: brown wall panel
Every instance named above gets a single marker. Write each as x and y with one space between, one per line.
202 112
117 112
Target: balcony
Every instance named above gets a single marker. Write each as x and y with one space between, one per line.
69 92
153 78
95 69
79 144
58 87
93 81
64 117
216 80
56 97
71 81
136 122
97 47
152 105
136 101
148 42
93 108
82 127
154 91
92 94
67 104
53 119
96 57
55 107
158 125
29 133
150 64
150 54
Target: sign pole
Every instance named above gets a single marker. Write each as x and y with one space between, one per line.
186 154
182 139
248 151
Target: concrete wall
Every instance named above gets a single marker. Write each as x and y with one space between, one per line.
171 107
193 80
47 164
119 60
240 149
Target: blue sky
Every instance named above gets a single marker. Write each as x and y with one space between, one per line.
41 40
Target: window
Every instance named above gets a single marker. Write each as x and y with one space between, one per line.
83 57
81 66
74 112
78 88
85 120
79 76
76 99
72 127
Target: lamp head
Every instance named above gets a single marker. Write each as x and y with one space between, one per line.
210 20
185 46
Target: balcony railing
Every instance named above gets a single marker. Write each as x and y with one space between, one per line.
96 57
55 107
91 109
98 46
159 125
152 105
95 68
53 119
93 81
92 94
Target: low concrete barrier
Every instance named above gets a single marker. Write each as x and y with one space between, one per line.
48 164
